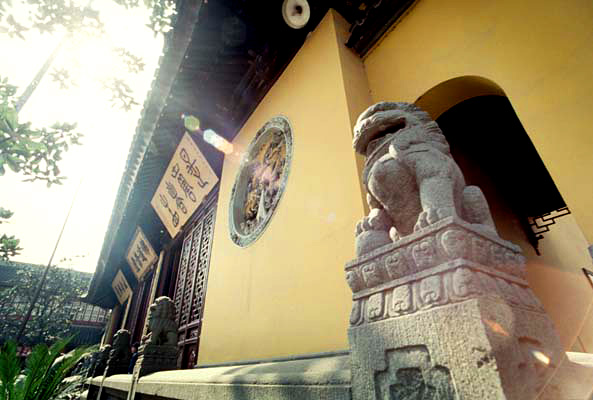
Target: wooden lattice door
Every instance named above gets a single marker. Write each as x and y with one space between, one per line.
190 290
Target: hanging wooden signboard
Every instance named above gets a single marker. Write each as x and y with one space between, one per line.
121 287
140 254
187 180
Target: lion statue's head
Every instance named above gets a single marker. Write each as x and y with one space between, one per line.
162 307
121 339
381 122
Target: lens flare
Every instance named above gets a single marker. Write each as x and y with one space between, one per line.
192 124
496 327
541 357
218 141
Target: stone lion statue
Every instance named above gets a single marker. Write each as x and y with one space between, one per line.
162 329
410 176
121 343
120 348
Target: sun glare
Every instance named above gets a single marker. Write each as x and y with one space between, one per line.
94 58
89 61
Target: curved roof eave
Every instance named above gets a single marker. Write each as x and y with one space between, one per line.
169 63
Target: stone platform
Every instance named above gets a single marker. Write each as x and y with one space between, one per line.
317 377
314 378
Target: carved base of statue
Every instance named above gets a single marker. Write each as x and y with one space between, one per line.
446 313
154 358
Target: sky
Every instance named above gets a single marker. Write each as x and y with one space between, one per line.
97 166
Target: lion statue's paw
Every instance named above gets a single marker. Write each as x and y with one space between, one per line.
433 215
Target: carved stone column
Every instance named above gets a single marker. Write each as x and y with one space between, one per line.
443 310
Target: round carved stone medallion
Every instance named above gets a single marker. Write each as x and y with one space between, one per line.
260 181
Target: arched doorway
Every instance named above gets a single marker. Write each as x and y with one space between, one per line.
495 152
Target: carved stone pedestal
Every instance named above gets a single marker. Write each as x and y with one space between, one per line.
446 313
153 358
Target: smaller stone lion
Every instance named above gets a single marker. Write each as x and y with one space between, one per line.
120 355
162 329
120 349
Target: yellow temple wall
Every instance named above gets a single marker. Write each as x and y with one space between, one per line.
539 55
286 293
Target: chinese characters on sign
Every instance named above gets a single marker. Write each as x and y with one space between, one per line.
187 180
121 287
140 255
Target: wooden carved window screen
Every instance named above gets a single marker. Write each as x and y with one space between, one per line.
190 290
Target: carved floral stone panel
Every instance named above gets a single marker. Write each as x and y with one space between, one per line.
260 181
410 374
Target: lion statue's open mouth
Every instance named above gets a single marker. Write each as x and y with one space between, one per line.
411 178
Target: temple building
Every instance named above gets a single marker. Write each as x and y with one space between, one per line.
244 201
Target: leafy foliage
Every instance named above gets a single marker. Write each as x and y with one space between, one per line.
52 315
162 13
44 375
133 63
9 245
53 15
62 77
77 21
50 16
121 93
34 153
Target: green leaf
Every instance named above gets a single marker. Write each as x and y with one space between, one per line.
12 163
9 370
35 146
12 118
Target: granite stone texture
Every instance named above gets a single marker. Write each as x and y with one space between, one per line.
450 319
441 308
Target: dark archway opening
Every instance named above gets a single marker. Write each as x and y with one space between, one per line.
494 152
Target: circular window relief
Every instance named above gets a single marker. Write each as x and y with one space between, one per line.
260 181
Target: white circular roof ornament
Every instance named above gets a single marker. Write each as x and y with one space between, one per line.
296 13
